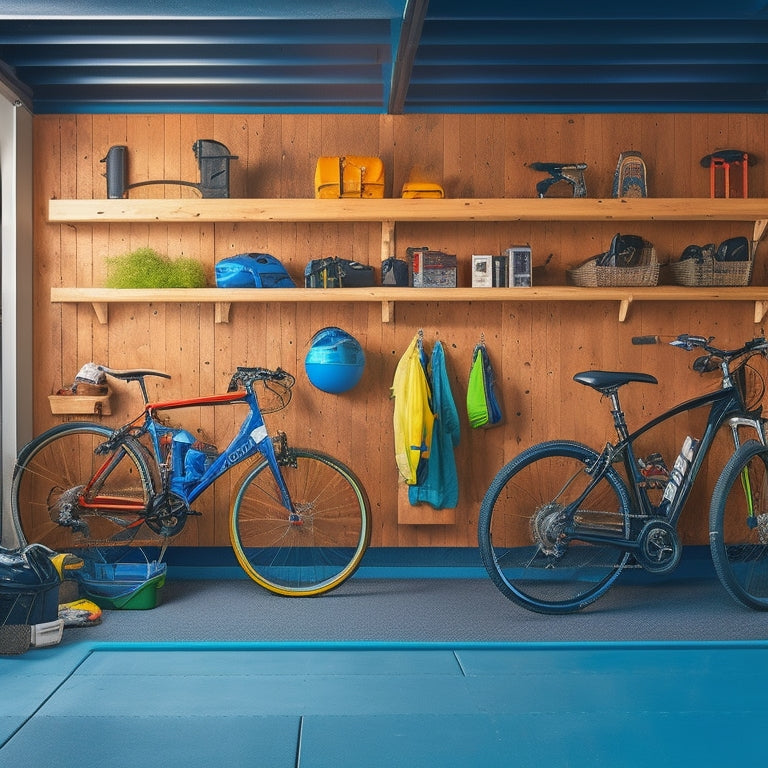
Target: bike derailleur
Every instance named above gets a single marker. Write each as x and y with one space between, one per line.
63 510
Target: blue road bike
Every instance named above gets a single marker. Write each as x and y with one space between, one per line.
299 519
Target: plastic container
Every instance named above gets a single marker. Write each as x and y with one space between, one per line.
123 586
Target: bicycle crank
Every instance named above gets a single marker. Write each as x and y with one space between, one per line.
168 514
659 548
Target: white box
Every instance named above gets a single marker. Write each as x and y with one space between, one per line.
482 271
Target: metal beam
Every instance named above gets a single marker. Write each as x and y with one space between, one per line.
410 36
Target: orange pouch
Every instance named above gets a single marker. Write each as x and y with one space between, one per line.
349 176
413 189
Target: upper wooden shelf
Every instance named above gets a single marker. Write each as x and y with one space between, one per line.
398 209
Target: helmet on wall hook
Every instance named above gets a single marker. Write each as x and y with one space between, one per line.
335 360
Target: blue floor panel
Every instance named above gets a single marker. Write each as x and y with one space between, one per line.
337 705
170 740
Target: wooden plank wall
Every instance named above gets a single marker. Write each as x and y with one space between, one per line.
536 347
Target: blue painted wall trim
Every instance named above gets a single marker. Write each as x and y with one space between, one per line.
202 563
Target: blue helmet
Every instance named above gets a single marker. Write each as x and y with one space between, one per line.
335 360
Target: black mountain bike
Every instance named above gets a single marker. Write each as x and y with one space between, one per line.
560 521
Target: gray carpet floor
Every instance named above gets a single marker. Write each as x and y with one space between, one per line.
425 610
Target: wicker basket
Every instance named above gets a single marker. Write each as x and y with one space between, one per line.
589 275
711 272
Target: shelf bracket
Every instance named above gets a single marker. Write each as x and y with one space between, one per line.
221 311
387 311
624 306
101 309
387 239
759 231
760 309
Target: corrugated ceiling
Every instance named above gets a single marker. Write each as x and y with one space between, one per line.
386 55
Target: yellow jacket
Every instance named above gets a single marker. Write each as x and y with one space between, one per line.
413 417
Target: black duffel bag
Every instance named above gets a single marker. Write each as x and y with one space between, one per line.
335 272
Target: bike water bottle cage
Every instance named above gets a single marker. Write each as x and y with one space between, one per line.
607 382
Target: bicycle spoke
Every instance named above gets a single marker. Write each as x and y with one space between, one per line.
314 547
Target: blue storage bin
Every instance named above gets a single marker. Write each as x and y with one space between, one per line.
126 586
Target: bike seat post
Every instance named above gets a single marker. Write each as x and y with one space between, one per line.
143 387
619 421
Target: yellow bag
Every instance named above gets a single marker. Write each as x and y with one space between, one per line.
413 189
349 176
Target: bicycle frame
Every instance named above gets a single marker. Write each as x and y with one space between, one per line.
251 438
725 407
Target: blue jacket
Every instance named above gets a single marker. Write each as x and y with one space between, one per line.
439 486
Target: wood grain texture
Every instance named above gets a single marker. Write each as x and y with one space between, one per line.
536 346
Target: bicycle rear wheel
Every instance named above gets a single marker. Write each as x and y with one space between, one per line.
738 526
51 473
529 540
319 549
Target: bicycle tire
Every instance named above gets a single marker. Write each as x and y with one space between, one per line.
739 546
319 551
53 465
519 533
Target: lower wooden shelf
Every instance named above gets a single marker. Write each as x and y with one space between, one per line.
223 298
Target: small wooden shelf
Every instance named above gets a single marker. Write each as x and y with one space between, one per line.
223 298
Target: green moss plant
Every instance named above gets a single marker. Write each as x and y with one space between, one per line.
146 268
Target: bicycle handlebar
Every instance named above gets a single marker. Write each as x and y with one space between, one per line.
249 376
689 342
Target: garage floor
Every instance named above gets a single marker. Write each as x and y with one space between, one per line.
395 673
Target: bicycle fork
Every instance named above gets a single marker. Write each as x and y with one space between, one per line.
746 483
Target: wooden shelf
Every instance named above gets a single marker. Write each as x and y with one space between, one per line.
387 212
223 298
398 209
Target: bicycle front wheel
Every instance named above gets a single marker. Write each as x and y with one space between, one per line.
530 538
316 549
51 474
738 526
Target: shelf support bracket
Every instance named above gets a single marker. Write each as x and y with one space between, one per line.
221 311
387 311
760 309
387 239
758 232
101 308
624 306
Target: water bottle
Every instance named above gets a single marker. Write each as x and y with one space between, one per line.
182 440
678 473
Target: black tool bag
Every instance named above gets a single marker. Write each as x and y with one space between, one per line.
394 272
334 272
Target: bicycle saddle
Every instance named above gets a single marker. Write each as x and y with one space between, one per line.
133 373
604 381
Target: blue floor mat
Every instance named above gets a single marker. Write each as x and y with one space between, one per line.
323 705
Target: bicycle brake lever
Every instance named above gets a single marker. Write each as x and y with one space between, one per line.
687 342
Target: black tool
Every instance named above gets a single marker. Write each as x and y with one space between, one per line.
573 173
212 158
